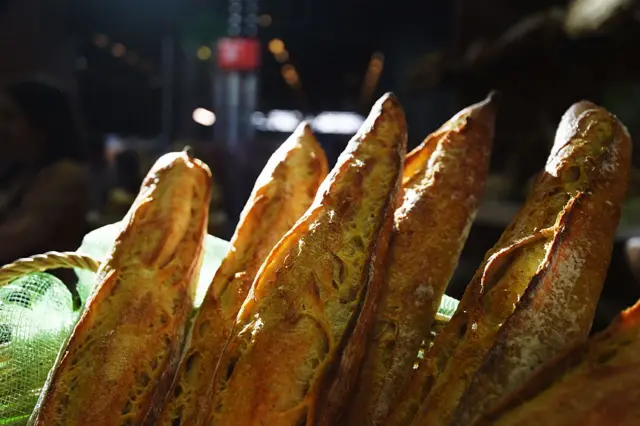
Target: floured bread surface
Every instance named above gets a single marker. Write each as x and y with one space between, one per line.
122 353
311 292
582 185
596 382
283 192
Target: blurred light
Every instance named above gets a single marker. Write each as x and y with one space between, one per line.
118 50
585 16
376 63
343 123
132 58
332 122
264 20
101 40
282 56
276 46
203 53
258 119
290 74
283 121
204 117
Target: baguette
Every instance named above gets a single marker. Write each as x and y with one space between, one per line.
302 329
282 193
122 354
596 382
554 270
446 173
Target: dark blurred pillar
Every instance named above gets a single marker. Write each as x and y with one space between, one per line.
236 90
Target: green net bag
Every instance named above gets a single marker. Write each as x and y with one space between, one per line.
36 315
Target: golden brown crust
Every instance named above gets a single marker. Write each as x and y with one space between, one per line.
123 352
590 157
446 173
596 382
314 290
283 192
558 307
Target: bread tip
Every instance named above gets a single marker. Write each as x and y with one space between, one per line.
304 127
388 100
494 97
188 149
582 106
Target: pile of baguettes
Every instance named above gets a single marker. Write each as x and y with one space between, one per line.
319 312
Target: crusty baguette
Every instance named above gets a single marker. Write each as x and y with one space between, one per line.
283 192
559 304
303 325
595 383
442 183
538 256
122 354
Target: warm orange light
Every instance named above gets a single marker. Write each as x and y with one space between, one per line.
290 74
118 50
276 46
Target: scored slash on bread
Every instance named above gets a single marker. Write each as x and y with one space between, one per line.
122 354
537 289
596 382
301 332
442 182
282 193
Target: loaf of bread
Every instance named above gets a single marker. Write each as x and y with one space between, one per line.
537 289
442 183
595 383
123 352
282 193
300 334
560 302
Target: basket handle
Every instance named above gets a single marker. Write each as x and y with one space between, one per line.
44 262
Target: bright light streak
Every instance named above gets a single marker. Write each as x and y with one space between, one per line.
341 123
204 117
283 121
331 122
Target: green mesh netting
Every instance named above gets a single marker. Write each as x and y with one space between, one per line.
36 315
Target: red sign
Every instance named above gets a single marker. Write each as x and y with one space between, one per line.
238 54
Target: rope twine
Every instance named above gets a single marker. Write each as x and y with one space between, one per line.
44 262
